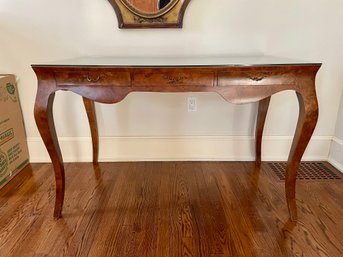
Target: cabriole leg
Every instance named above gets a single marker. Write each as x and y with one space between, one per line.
261 118
45 123
308 116
89 106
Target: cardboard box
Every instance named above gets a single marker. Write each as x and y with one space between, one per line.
14 155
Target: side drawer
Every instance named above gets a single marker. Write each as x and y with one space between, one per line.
172 78
93 78
254 78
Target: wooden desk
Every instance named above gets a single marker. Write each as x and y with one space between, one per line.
237 80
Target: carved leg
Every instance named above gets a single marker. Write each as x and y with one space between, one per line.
89 106
45 123
308 116
261 117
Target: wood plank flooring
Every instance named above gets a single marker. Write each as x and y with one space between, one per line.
168 209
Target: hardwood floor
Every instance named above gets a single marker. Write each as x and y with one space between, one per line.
165 209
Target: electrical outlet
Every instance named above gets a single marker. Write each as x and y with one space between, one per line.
191 104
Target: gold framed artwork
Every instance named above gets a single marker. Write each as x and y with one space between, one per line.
149 13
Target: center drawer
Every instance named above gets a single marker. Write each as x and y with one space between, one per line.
172 78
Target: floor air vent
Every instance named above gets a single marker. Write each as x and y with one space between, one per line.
317 171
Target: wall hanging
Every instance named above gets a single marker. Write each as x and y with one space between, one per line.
149 13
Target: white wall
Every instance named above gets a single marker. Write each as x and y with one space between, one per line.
336 149
46 30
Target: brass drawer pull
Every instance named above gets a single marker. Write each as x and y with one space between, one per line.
93 80
256 78
172 79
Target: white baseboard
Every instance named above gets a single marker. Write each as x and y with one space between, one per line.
211 148
336 154
336 164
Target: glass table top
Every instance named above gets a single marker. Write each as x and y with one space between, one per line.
204 61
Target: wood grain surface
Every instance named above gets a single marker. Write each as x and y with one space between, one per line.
162 209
